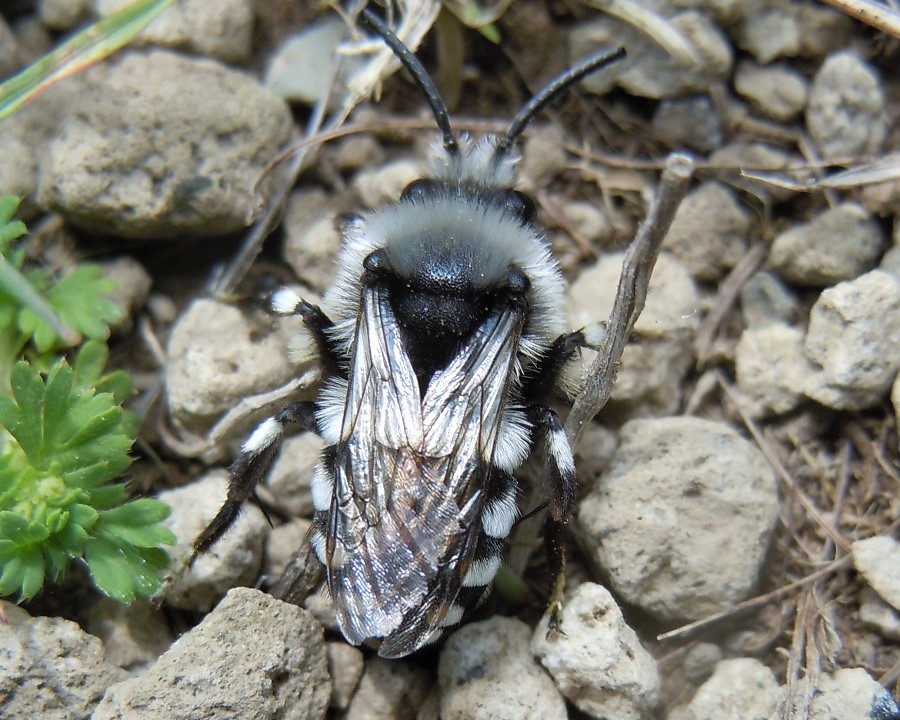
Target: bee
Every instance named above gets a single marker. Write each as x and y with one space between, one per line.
445 341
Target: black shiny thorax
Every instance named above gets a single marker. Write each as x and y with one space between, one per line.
446 274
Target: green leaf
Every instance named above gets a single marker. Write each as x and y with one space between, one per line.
82 50
110 569
89 363
143 511
79 300
24 574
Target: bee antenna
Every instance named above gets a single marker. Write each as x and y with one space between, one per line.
550 91
372 22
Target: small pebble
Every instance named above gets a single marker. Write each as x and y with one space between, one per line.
877 559
766 300
710 231
385 184
487 672
845 109
389 690
598 663
345 664
840 244
771 369
701 660
675 488
777 91
852 339
690 122
847 694
234 560
251 657
740 688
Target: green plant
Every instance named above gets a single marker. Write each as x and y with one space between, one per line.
64 437
40 314
68 439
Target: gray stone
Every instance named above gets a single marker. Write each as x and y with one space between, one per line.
845 111
252 657
709 233
783 28
771 369
589 221
681 520
384 184
739 689
690 122
289 477
302 67
25 137
840 244
890 262
877 615
134 636
132 288
217 356
487 672
848 694
311 239
852 338
163 145
51 669
221 29
737 157
650 71
778 91
651 371
63 14
766 300
389 690
345 664
877 559
234 560
281 544
597 662
701 660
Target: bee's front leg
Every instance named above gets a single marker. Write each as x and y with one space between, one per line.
251 466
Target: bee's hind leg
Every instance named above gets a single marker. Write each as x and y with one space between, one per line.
561 490
250 467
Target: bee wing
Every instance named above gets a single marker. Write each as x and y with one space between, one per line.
408 477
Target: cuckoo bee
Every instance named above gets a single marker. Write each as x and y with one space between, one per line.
443 341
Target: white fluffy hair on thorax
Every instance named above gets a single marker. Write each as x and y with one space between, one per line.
477 162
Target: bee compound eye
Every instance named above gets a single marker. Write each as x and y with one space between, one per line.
418 190
521 206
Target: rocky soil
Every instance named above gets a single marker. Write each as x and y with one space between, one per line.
735 552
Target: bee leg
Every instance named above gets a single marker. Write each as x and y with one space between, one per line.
541 383
287 303
561 490
251 466
300 577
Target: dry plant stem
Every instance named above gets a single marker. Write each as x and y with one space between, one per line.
757 602
878 15
725 299
631 293
200 446
780 470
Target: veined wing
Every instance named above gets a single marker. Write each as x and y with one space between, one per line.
408 473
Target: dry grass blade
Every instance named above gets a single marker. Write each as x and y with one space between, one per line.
789 482
884 169
757 602
654 26
880 16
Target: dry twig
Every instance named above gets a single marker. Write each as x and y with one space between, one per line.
631 293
